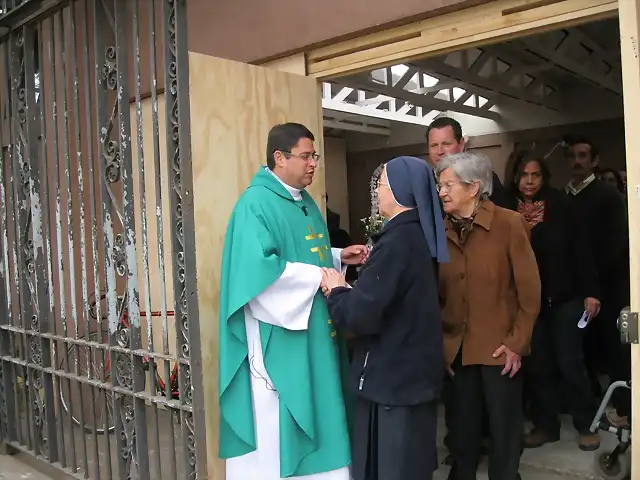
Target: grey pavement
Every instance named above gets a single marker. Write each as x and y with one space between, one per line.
562 460
13 469
555 461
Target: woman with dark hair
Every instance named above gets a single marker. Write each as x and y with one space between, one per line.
612 177
569 288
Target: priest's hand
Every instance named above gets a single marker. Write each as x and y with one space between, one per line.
331 279
354 255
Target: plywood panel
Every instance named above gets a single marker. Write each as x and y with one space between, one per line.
294 64
233 105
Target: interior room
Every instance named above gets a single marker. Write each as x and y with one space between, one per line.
531 94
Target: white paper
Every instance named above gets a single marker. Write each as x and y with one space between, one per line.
584 319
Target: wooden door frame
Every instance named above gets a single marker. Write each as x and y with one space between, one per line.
493 22
629 17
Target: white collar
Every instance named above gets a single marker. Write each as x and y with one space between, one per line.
575 189
294 192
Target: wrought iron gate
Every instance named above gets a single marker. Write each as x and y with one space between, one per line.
100 362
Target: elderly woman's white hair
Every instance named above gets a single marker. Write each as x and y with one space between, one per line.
469 167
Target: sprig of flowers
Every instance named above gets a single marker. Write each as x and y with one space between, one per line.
372 225
374 222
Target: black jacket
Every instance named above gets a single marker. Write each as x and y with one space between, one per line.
393 312
499 194
566 263
602 210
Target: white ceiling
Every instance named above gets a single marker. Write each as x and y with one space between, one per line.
543 70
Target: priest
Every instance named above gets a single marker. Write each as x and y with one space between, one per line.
282 409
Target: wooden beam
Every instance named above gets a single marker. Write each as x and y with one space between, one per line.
361 127
429 102
481 25
575 67
629 35
490 86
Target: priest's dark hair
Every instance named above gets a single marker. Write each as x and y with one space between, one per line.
284 137
444 122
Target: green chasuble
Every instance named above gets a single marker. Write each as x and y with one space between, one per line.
267 229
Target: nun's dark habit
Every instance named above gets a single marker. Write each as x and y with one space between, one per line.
394 313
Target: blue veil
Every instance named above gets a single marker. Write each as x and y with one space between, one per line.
413 185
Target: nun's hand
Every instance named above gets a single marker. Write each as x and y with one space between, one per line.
354 255
331 279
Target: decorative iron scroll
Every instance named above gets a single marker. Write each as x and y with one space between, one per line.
115 245
176 180
70 124
24 196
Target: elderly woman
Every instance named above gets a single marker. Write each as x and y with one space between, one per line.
393 311
490 295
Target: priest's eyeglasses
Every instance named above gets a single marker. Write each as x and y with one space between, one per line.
307 157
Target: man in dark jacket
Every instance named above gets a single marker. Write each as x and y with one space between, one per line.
601 208
444 136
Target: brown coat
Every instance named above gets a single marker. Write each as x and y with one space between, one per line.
490 289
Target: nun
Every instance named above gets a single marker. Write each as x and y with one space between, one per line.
394 314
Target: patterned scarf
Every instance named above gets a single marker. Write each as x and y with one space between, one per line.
462 227
532 212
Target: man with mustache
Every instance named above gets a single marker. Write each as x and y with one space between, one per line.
282 411
601 208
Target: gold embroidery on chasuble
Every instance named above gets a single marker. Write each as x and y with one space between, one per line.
320 250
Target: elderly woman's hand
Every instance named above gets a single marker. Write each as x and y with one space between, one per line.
513 361
331 279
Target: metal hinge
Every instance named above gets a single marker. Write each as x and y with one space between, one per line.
628 326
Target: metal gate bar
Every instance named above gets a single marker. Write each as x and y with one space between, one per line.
87 183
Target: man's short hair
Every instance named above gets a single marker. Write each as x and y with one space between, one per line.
444 122
284 137
584 141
